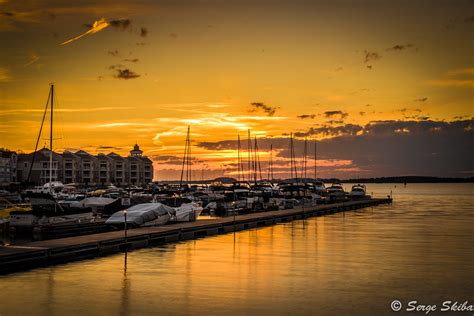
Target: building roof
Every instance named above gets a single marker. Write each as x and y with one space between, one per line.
7 153
41 155
84 154
115 156
103 157
68 154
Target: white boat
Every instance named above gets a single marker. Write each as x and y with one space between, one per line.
187 212
336 192
145 214
358 191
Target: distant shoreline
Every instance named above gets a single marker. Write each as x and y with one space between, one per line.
402 180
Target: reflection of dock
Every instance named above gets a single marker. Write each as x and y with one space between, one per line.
48 252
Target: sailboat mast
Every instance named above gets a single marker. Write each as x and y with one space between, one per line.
189 157
249 150
315 161
294 158
271 162
291 155
51 141
304 158
238 157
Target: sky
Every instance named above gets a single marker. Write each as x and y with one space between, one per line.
384 88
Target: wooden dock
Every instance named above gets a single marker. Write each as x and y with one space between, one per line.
48 252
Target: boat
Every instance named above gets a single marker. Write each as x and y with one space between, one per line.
336 193
187 212
358 191
100 205
145 214
45 210
6 207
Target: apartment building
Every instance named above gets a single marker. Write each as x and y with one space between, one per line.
78 167
8 164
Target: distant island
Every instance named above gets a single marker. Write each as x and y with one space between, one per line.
410 179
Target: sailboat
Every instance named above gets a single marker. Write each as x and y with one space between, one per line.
45 208
185 208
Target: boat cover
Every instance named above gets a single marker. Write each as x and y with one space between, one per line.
141 213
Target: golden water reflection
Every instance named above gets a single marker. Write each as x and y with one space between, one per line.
417 248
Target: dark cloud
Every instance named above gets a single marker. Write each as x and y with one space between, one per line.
134 60
387 148
143 32
330 114
330 131
269 110
399 47
421 100
126 74
113 67
173 35
121 25
306 116
369 67
469 19
362 113
108 147
114 53
8 14
335 122
371 56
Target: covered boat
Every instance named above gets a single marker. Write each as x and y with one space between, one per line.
187 212
145 214
100 205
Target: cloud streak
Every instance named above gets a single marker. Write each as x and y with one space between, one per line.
97 26
33 59
100 25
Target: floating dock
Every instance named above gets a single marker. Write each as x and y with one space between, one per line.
48 252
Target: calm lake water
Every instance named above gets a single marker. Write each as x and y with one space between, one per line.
354 263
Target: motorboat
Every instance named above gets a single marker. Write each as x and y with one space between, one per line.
6 207
336 193
45 210
358 191
145 214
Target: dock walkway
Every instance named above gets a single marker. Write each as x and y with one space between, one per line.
48 252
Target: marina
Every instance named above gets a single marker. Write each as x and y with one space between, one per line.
242 158
42 253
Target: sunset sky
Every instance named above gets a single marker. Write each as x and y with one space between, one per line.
386 87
